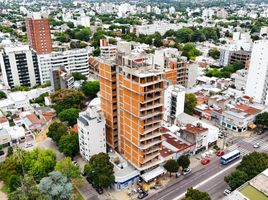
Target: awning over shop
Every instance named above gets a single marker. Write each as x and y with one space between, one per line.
148 176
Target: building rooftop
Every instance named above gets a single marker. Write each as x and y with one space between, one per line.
195 129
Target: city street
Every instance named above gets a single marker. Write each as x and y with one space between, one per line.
210 178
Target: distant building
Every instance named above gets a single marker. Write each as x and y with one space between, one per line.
5 139
75 60
38 31
107 50
91 130
19 66
61 79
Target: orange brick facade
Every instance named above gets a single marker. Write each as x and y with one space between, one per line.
139 109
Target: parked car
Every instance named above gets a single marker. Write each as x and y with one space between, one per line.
142 195
260 132
27 145
227 192
220 153
99 190
75 163
257 145
186 171
205 161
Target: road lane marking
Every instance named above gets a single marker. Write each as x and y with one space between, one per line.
205 181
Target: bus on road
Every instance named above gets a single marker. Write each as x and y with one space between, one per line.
229 157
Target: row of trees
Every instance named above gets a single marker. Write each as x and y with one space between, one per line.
193 34
226 71
37 175
251 165
79 33
172 166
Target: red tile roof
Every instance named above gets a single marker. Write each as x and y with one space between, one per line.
247 109
194 129
3 119
75 128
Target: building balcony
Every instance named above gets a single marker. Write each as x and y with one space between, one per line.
150 136
150 144
150 157
147 107
151 128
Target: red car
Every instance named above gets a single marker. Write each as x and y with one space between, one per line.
220 153
205 161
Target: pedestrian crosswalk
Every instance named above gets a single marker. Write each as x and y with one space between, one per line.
242 150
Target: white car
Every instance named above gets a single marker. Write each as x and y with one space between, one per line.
257 145
186 171
227 192
27 145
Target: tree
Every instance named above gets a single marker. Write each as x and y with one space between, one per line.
28 190
190 103
100 170
250 166
96 52
214 53
14 183
183 161
171 166
70 24
262 119
41 98
39 162
189 50
78 76
70 115
2 95
67 98
67 168
56 186
196 194
9 151
236 179
91 88
56 130
254 163
69 144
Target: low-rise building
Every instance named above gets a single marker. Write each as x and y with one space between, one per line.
239 118
91 130
240 79
5 139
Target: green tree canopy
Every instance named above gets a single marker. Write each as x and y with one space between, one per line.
100 170
56 186
69 144
171 166
183 161
197 195
190 103
214 53
39 162
189 50
236 178
91 88
67 98
2 95
262 119
56 130
78 76
67 168
28 190
254 163
70 115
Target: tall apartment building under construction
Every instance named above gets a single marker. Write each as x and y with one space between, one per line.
131 92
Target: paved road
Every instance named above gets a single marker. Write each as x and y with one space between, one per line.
215 186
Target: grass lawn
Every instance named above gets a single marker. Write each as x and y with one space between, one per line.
252 193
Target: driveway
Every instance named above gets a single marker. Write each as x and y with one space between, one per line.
49 144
